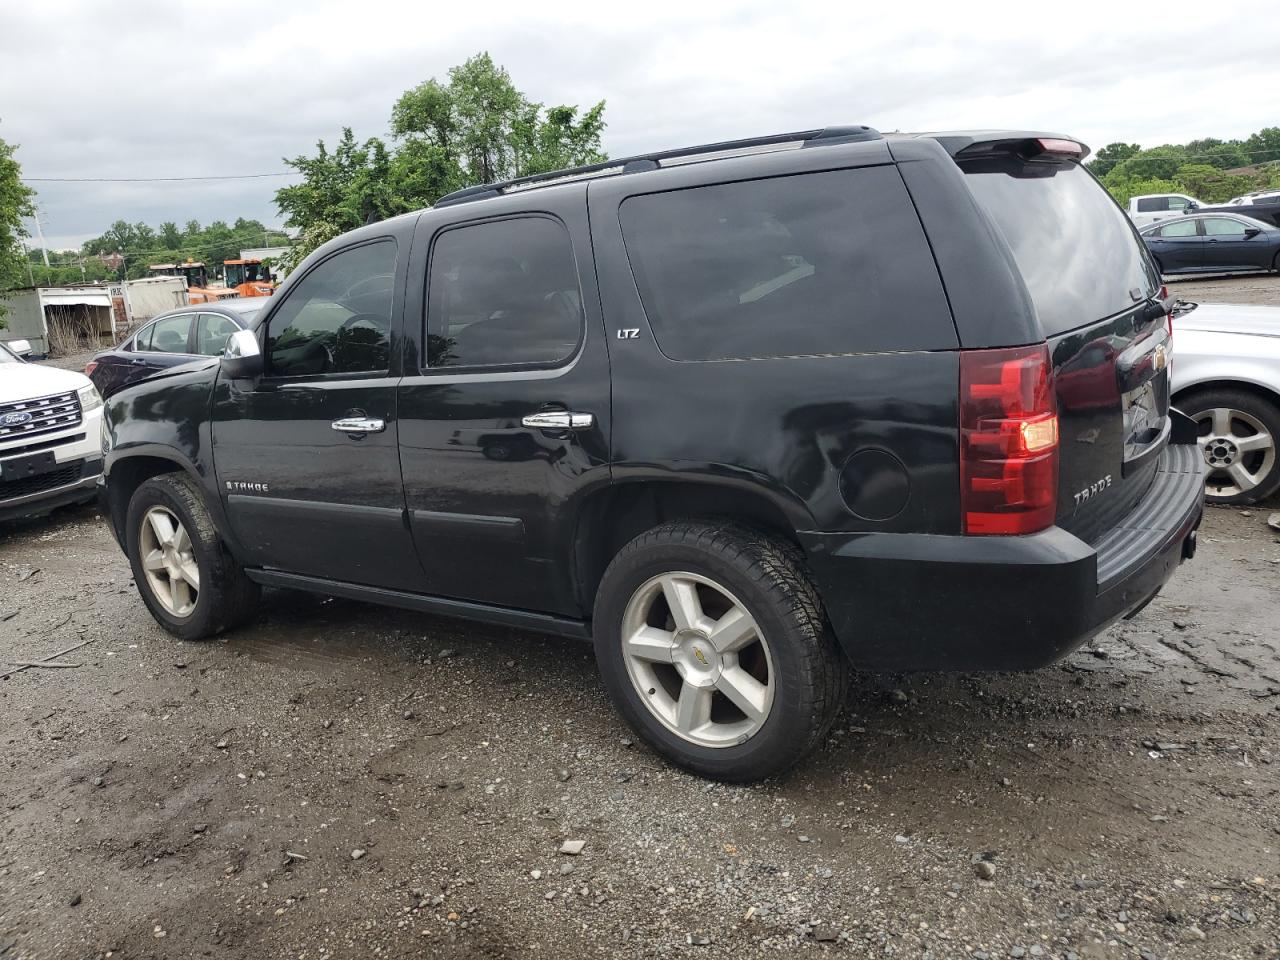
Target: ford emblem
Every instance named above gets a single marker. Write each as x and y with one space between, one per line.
15 419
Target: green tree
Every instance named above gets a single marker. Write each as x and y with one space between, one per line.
1210 183
1158 163
475 128
170 237
1104 160
15 203
1263 146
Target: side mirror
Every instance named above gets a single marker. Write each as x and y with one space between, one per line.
21 347
242 357
1251 232
1193 205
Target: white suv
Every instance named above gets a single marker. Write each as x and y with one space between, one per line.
50 435
1150 207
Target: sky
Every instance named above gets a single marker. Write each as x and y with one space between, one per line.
143 88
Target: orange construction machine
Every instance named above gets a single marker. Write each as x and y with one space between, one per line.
198 289
250 277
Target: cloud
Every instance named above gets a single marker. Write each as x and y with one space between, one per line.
141 88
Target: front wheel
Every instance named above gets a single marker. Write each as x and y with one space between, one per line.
1237 435
185 575
712 644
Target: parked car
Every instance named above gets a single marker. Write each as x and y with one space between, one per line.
1213 243
170 340
1264 207
1227 378
50 435
1152 207
764 413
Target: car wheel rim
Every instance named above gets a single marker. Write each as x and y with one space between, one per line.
697 659
1238 450
169 561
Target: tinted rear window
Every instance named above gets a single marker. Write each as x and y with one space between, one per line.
819 263
1076 250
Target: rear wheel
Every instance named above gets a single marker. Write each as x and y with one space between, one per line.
190 583
712 644
1237 434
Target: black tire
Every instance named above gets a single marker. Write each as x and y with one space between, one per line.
810 673
1266 412
226 597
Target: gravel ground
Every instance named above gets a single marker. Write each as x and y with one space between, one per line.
340 780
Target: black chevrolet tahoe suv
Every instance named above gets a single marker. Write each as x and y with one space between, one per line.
746 415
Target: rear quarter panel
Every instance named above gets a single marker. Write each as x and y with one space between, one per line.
1202 356
785 427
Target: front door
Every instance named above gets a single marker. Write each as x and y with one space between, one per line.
306 456
1229 246
504 423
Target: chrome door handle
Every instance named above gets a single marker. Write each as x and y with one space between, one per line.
359 425
558 420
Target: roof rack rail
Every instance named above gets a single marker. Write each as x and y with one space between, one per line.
652 161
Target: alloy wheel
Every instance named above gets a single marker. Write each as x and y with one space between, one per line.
1238 450
697 659
169 560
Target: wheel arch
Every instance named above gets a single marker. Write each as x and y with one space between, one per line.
612 516
1262 390
126 471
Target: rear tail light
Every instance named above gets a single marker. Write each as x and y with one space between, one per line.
1008 440
89 367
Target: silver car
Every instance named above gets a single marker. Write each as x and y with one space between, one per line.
1226 376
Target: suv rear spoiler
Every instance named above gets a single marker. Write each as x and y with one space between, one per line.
972 144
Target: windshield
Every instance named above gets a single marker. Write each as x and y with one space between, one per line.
1076 250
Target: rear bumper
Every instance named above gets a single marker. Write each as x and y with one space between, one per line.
931 602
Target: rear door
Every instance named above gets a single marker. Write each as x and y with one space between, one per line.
504 422
166 343
1177 246
1094 291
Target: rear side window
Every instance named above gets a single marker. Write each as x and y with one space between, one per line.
168 335
811 264
1076 250
1182 228
1153 204
503 293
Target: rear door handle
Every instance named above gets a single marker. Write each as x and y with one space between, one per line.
558 420
359 425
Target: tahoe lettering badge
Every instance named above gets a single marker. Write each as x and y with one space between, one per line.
1093 489
244 486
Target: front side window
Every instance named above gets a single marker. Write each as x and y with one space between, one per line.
503 293
167 336
802 265
1179 203
1182 228
1223 227
212 331
337 319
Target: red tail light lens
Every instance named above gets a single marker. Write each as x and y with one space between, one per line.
1008 440
89 367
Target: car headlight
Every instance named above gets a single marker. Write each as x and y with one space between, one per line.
90 398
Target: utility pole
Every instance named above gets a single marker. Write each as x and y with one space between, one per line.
44 251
